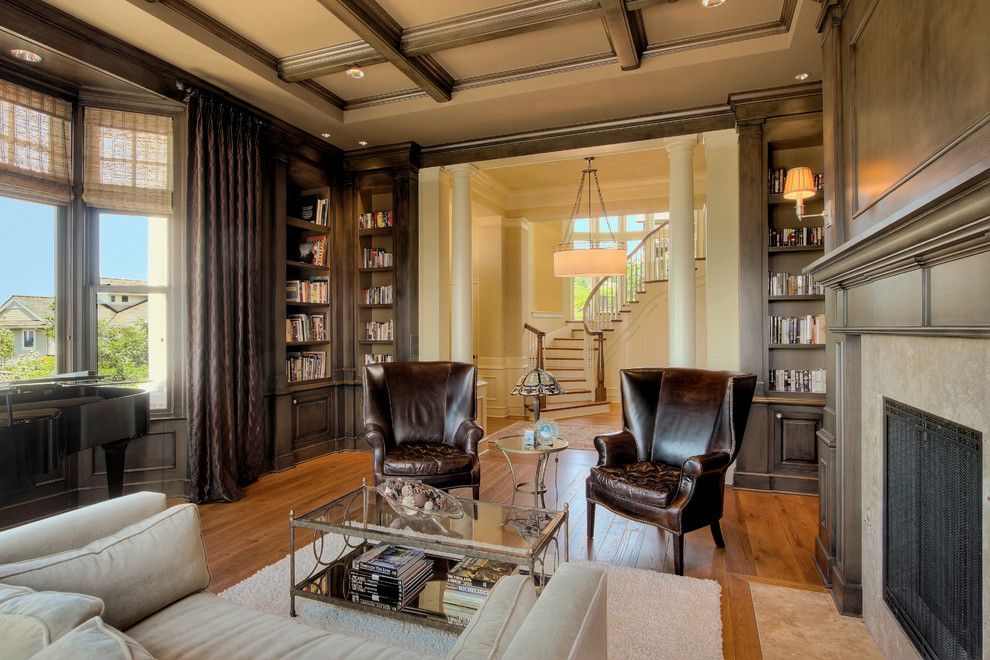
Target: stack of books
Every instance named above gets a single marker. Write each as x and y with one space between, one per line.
797 329
378 295
786 284
313 290
305 327
307 365
797 237
378 358
798 380
313 208
376 220
389 576
468 584
376 258
379 330
313 250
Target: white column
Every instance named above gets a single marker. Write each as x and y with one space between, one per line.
461 311
681 286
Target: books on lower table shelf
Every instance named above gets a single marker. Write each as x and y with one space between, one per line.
797 329
313 290
389 576
803 381
468 584
305 365
305 327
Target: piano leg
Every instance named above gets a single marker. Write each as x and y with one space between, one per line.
114 454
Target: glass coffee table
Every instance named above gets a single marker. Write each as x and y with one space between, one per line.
516 444
533 538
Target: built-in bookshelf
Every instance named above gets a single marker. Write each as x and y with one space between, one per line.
375 219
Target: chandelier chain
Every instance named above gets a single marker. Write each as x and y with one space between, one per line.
574 209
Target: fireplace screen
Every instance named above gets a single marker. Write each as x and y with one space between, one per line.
932 578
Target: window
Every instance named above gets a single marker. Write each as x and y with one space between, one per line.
28 270
34 145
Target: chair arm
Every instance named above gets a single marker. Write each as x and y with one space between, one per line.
713 461
617 448
376 436
467 436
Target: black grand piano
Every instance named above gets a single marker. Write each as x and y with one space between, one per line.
44 420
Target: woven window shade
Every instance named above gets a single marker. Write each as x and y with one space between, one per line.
128 161
35 145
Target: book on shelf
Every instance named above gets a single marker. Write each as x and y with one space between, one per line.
305 365
312 208
376 258
312 290
379 330
313 250
804 381
797 237
378 358
809 329
376 220
776 178
305 327
378 295
787 284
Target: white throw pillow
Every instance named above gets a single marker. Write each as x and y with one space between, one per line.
31 620
136 572
497 621
94 640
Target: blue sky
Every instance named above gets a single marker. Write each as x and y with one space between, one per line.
27 248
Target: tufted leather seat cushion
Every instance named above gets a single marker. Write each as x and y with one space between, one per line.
421 459
653 484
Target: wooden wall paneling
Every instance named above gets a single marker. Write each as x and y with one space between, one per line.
847 566
406 202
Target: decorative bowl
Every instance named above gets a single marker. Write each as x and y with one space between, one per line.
547 432
414 499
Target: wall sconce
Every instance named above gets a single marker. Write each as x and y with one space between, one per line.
799 186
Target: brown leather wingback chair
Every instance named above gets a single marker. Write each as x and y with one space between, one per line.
419 419
666 467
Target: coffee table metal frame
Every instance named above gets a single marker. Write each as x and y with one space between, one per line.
359 521
538 487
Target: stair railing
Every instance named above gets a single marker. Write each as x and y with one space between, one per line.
648 262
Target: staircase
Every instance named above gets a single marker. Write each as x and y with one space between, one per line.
565 358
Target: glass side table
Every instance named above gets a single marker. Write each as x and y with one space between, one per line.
515 444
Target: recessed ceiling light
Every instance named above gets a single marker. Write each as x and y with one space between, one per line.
355 73
802 76
26 55
712 3
363 143
325 135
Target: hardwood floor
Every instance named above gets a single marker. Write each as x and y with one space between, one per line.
769 537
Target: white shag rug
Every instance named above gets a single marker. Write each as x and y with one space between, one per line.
650 614
578 436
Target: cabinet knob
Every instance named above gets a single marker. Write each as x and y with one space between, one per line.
778 415
294 402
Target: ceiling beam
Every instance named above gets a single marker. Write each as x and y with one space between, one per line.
625 32
502 21
373 24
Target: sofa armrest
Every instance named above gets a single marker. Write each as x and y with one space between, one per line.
78 527
570 618
497 620
617 448
467 436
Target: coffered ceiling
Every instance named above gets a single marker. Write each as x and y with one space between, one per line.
444 71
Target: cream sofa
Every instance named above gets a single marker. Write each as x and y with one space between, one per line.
148 566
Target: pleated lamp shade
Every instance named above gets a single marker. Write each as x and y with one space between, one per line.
799 184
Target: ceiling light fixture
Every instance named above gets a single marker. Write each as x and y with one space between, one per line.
802 76
325 135
355 73
708 4
363 143
26 55
589 258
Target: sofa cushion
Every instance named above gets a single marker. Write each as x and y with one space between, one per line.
76 528
653 484
426 459
94 640
31 620
136 572
204 626
496 622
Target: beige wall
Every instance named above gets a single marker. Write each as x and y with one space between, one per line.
434 264
549 291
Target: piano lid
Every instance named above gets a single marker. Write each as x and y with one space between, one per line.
74 378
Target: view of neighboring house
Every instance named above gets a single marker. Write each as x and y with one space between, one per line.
25 316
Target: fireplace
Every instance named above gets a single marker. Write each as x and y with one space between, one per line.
932 534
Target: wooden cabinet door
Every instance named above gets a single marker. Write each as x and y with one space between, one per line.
311 418
794 448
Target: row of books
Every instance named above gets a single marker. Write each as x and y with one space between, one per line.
378 358
776 178
797 329
389 576
306 365
468 584
376 258
376 220
796 236
379 330
378 295
787 284
313 208
305 327
798 380
313 250
313 290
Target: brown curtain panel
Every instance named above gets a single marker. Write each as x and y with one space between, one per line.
227 232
